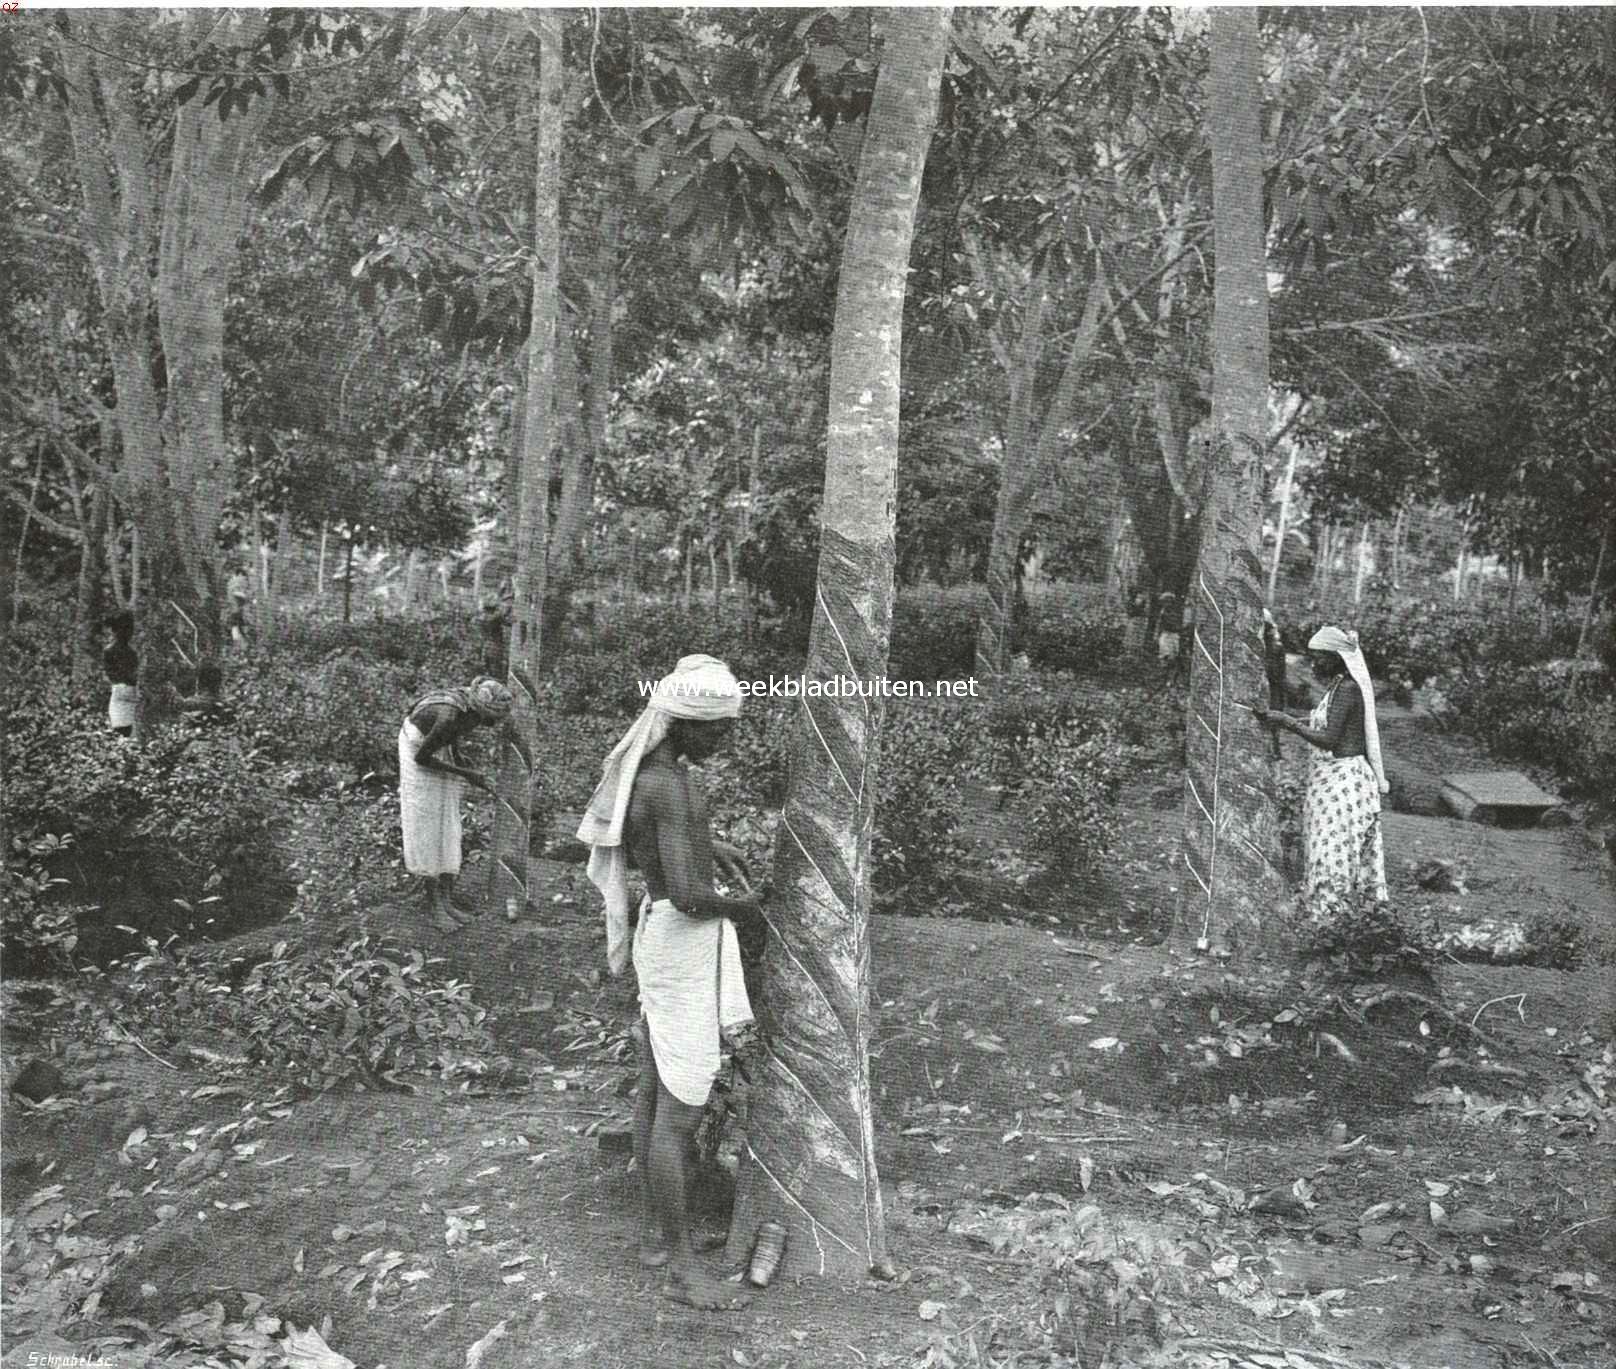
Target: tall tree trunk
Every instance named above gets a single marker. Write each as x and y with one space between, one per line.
514 802
513 468
1591 608
809 1159
260 554
283 564
690 570
1030 453
748 610
347 580
1361 570
174 476
22 538
578 484
115 562
319 574
1231 838
137 570
88 606
1283 526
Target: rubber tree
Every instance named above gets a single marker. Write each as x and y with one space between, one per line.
162 243
513 804
1232 882
809 1158
1032 449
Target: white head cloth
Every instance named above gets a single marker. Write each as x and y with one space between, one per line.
1345 645
700 688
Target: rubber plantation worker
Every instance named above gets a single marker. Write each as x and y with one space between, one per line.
430 780
649 811
1344 854
121 665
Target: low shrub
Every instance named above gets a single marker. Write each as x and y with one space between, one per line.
1408 643
1522 713
919 808
1073 778
103 828
1023 715
1061 636
1363 939
357 1011
934 635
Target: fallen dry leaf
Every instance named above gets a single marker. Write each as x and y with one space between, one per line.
476 1351
308 1350
930 1311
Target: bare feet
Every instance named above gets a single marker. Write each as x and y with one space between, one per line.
444 921
695 1288
654 1250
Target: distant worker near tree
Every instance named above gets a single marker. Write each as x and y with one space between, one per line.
1344 854
1168 622
240 589
121 665
430 778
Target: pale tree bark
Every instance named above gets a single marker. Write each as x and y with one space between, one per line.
809 1159
1591 610
1233 887
174 475
1030 452
22 537
204 211
1282 527
92 563
1361 571
514 800
115 565
578 479
283 564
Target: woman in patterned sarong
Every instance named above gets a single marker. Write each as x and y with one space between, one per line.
1344 856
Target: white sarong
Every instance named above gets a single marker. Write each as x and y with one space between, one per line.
121 706
691 989
429 802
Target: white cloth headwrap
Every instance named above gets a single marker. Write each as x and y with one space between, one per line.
1345 645
700 688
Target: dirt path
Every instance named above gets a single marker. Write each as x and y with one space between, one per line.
419 1224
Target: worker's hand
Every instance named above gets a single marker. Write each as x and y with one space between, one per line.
732 864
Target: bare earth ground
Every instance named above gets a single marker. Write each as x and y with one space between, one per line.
1093 1152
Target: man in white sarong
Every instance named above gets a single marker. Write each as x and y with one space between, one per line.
430 778
650 811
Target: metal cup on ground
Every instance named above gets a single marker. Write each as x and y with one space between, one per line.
766 1254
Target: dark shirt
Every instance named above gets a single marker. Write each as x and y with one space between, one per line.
121 664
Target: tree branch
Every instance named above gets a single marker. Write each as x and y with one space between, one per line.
44 519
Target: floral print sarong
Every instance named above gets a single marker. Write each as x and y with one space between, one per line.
1344 855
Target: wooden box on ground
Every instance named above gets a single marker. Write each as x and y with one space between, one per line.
1504 798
